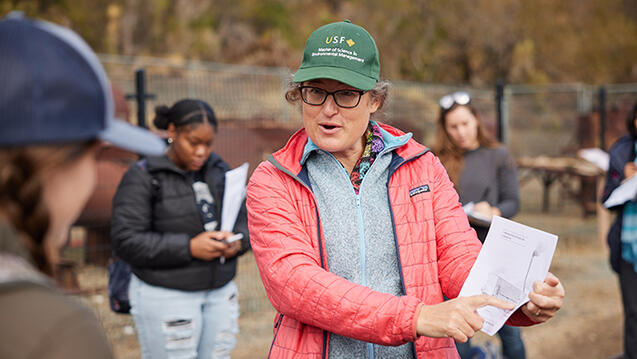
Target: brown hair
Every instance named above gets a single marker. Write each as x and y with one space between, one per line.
22 172
379 93
451 155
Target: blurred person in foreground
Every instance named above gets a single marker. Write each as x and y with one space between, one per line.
165 224
485 177
55 109
357 230
622 236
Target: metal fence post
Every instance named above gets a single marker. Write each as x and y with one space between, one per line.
140 96
601 98
499 109
140 87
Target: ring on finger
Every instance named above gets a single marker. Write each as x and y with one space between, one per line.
538 312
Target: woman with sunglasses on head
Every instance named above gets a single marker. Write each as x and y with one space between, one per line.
165 224
56 110
356 229
485 177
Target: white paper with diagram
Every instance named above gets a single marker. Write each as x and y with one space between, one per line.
512 258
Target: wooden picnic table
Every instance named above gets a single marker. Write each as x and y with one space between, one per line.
577 177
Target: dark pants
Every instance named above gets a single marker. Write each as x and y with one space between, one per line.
628 285
512 344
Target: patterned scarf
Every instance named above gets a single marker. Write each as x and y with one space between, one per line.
629 231
373 146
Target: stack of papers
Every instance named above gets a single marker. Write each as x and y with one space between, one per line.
626 192
233 196
512 258
596 156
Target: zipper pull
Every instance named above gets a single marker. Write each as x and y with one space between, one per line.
278 321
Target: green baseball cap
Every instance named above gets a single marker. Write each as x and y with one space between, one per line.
343 52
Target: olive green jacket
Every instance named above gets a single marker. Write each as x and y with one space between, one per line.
38 321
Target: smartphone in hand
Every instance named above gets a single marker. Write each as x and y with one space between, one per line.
233 238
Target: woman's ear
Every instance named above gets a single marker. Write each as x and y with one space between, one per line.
172 131
374 104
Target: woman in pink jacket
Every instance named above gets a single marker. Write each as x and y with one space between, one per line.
357 229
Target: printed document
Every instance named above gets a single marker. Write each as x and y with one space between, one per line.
233 196
626 192
512 258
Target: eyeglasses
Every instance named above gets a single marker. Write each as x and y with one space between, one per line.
461 98
316 96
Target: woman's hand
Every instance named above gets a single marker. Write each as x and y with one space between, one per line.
630 169
208 245
456 318
233 247
485 209
545 300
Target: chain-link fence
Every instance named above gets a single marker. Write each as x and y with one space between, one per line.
543 120
536 119
240 93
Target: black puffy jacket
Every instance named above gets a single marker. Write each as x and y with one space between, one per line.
155 216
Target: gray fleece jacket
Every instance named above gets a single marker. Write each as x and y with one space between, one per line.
359 234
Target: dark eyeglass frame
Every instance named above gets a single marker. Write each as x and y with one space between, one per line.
327 93
461 98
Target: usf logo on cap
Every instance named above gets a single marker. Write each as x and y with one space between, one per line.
330 53
339 39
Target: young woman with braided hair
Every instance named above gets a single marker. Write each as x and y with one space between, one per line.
166 225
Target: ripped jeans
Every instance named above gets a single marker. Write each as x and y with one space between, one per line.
179 324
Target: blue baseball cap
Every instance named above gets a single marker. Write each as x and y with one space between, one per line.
53 89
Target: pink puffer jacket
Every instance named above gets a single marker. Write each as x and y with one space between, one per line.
437 248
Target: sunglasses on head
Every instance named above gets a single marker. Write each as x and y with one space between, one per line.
460 97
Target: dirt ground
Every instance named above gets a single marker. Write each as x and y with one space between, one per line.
588 326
